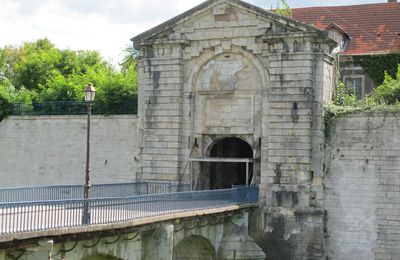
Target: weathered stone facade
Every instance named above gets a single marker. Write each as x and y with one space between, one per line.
227 69
227 79
216 236
50 150
362 187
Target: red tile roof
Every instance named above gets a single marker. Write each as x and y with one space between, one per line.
373 28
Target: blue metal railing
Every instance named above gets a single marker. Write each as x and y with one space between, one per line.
246 193
70 192
73 108
24 217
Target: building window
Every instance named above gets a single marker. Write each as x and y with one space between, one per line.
356 83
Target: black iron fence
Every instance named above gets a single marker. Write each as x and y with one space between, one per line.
74 108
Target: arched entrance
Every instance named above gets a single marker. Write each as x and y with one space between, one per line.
194 248
230 172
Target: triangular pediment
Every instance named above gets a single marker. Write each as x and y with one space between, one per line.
222 11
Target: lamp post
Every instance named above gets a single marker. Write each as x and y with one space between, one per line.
90 92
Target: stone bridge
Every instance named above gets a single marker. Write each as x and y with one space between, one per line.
206 234
127 221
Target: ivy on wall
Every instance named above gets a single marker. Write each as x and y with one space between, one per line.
376 65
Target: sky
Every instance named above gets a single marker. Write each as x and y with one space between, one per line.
103 25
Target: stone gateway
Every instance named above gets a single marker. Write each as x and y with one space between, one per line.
232 94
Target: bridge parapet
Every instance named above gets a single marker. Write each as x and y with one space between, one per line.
31 217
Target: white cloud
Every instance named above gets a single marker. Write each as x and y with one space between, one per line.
104 25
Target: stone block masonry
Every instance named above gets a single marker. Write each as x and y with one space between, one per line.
51 150
230 80
227 79
362 187
195 235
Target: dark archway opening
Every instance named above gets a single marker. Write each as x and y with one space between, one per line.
225 174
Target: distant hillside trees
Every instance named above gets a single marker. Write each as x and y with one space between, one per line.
39 72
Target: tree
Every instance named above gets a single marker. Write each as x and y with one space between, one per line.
130 59
118 93
285 11
34 63
39 72
389 91
5 104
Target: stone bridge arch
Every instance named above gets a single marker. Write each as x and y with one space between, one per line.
194 247
123 246
101 256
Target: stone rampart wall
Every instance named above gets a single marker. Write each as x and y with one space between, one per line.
51 150
362 187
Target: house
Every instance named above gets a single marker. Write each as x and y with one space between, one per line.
367 29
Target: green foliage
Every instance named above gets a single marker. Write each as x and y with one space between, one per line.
385 98
130 59
375 65
285 11
5 104
344 95
39 72
115 93
35 63
11 95
60 88
333 111
389 91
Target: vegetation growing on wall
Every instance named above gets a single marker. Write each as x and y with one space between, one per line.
374 65
344 95
384 98
387 93
39 72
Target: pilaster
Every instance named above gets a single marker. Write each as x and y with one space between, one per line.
161 110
